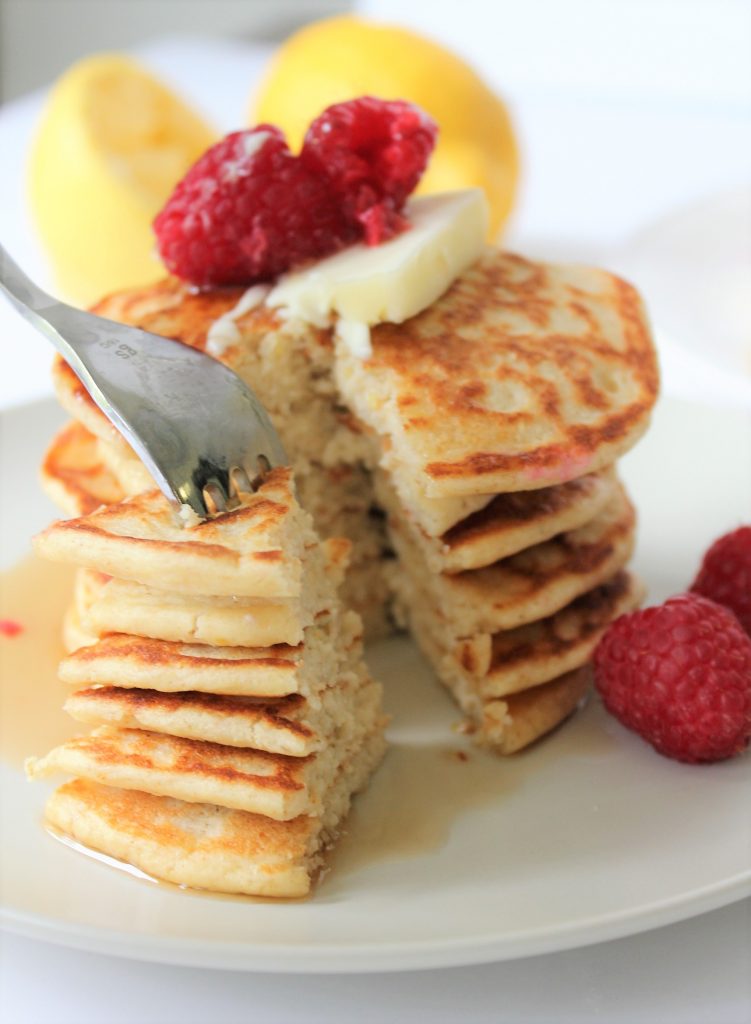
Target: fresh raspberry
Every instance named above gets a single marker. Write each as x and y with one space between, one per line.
373 153
725 574
680 676
10 627
247 211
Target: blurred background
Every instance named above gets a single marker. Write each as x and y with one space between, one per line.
632 120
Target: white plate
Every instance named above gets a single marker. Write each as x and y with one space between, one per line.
589 836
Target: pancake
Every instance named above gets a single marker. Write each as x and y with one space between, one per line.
275 785
125 466
531 584
509 725
75 637
124 607
74 475
288 725
253 550
76 401
209 847
268 672
522 375
507 524
493 665
433 516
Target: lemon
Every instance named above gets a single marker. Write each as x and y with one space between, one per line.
111 145
340 58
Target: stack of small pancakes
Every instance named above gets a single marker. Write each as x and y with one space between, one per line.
470 460
233 715
498 415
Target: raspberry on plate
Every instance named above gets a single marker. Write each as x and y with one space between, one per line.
373 153
247 211
679 674
725 574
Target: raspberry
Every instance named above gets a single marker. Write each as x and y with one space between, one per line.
373 153
9 627
725 574
679 675
246 211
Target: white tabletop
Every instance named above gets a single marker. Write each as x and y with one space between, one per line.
698 972
589 188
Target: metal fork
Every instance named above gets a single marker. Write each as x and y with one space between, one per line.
201 432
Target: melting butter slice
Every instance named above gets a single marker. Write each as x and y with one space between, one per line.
365 285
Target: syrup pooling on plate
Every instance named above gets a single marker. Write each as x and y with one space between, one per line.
36 595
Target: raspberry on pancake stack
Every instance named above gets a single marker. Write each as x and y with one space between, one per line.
233 715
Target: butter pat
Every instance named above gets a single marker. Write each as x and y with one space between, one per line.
388 283
224 332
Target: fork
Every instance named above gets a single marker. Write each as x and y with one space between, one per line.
199 429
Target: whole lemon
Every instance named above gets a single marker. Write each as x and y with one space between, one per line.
339 58
111 145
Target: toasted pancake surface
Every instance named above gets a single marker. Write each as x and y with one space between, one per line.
253 550
266 672
513 522
530 584
288 725
491 665
520 376
514 722
73 474
276 785
206 846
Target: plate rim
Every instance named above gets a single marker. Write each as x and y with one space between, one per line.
378 958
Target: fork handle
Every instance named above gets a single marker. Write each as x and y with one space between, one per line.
20 289
28 298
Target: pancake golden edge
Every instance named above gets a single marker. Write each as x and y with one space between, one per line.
73 474
288 725
532 584
254 550
205 846
509 523
275 785
522 375
492 666
568 382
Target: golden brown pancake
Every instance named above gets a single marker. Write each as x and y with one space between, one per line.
73 474
522 375
511 723
509 523
125 607
288 725
254 550
531 584
266 672
209 847
495 664
275 785
496 417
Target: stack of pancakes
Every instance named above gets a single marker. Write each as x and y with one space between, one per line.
470 460
233 716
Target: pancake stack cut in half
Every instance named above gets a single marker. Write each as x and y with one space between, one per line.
232 717
470 459
498 415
